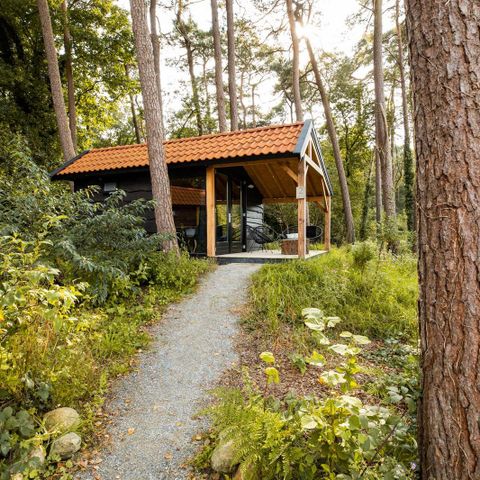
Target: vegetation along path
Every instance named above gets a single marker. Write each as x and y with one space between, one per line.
154 408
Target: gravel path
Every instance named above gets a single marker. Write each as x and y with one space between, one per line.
192 346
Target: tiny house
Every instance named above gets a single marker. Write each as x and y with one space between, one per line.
219 183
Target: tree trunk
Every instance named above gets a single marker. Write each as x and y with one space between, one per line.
378 189
332 133
381 126
232 81
444 42
156 154
156 55
217 47
254 116
296 63
136 129
408 176
366 202
55 82
67 39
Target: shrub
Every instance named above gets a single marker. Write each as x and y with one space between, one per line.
378 301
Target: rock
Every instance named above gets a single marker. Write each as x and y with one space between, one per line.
39 454
246 472
66 445
62 419
223 457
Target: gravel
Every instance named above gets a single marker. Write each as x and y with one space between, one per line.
154 408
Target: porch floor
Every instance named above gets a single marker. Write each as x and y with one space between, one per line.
263 256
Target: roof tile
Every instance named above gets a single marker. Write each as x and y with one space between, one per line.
275 139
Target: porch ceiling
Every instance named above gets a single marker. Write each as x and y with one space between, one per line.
277 180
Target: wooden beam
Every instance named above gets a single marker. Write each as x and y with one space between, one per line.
252 163
302 210
290 173
270 200
314 165
211 227
276 181
328 223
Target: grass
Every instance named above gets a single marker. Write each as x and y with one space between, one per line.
376 297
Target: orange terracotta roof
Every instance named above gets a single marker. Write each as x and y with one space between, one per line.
275 139
187 195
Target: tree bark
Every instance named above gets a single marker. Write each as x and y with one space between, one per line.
332 133
295 63
378 189
408 175
381 125
55 82
67 39
232 73
136 129
156 55
366 203
217 48
444 40
156 154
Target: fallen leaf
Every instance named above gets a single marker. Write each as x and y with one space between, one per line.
131 431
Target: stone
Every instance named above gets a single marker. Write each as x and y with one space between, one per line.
222 460
62 419
39 454
66 445
246 472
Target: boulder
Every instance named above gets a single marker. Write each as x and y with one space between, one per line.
223 456
38 454
62 419
66 445
246 472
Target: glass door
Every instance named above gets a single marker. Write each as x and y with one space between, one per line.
228 214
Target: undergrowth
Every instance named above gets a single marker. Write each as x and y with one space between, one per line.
375 293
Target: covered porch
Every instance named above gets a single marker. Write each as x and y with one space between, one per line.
299 178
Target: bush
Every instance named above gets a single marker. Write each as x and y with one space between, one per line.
378 299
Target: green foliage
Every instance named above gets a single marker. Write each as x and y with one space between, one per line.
379 301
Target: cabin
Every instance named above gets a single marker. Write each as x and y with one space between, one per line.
220 184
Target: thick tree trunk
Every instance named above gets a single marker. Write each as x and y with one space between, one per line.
381 126
332 133
378 189
366 202
156 55
55 82
444 40
295 63
408 175
232 73
217 48
151 104
136 129
67 39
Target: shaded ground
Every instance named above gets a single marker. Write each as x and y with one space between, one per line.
151 412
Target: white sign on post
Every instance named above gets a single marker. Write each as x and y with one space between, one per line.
300 193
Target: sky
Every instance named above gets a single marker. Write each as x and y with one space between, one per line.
334 35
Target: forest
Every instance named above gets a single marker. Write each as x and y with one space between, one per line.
358 364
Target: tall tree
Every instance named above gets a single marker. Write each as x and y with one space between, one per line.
381 126
156 54
332 133
222 117
67 40
444 42
133 110
232 71
185 30
55 82
295 62
407 150
156 153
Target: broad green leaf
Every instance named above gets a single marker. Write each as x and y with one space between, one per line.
308 422
332 378
316 359
332 321
267 357
321 338
339 348
312 313
272 375
346 334
361 340
315 324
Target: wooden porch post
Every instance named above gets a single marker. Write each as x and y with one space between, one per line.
328 221
210 193
302 209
